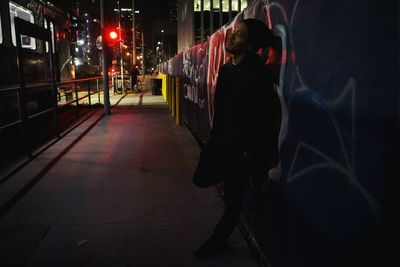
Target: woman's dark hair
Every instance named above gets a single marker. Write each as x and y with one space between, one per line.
260 36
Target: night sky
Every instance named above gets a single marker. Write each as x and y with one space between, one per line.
153 8
150 11
159 8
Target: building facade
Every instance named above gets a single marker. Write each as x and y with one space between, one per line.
198 19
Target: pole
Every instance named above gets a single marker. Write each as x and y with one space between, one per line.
220 14
106 93
202 21
53 82
162 45
230 10
178 100
143 56
120 48
133 34
212 17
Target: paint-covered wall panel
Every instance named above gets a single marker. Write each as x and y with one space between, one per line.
334 200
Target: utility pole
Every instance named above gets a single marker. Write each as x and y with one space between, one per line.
162 45
202 21
221 14
230 10
120 47
133 34
212 17
106 92
143 55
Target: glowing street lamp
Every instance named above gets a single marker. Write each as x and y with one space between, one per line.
162 43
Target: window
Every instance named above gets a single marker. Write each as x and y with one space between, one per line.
243 4
52 36
235 5
216 5
25 14
225 5
197 5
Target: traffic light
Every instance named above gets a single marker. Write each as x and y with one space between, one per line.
112 36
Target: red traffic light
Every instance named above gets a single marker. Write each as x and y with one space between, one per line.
113 35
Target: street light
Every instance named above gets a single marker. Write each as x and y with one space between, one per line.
107 108
162 43
133 34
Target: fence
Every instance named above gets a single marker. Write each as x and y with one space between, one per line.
333 201
74 99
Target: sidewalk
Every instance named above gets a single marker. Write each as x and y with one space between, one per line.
119 194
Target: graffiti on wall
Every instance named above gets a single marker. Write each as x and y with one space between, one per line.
323 108
340 156
332 144
194 73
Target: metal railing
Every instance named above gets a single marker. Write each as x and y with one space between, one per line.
60 86
69 93
120 85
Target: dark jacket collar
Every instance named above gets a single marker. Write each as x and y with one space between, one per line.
250 58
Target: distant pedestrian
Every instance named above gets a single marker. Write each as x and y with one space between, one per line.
243 138
134 76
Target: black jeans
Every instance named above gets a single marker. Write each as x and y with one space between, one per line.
235 180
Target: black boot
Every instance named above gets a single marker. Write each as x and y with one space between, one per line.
212 247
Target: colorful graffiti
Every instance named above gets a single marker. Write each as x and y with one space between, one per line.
194 73
334 199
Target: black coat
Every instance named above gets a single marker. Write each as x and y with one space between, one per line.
246 109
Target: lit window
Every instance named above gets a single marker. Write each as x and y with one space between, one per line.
243 4
25 14
197 5
225 5
207 5
235 6
52 37
77 61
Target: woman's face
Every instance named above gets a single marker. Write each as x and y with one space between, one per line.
238 41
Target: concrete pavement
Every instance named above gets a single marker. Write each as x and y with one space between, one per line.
116 191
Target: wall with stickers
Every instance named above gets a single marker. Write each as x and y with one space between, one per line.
334 199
